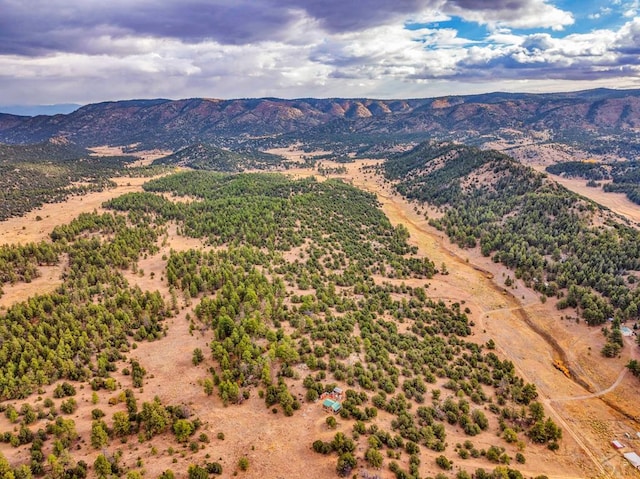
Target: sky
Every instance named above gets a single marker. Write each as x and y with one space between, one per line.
87 51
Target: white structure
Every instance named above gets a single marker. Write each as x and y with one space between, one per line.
633 458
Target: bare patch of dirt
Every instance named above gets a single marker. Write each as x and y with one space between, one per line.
47 282
145 158
29 228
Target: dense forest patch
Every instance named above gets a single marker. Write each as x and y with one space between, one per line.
209 157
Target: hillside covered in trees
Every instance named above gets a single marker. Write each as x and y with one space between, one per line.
300 284
208 157
557 242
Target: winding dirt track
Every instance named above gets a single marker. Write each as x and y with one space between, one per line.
634 354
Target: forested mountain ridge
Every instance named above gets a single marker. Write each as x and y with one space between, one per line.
546 234
583 118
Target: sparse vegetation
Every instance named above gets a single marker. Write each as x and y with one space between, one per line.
299 276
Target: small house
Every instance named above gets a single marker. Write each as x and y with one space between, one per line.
617 444
337 392
330 405
327 405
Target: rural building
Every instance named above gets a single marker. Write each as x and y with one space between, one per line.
330 405
617 444
633 458
335 395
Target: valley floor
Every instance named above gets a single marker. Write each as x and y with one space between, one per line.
595 408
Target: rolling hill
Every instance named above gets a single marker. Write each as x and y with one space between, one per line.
208 157
557 242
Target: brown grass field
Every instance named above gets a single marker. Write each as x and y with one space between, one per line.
598 406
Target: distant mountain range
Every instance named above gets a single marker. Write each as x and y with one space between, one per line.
34 110
589 119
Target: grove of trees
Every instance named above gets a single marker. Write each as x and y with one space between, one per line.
297 275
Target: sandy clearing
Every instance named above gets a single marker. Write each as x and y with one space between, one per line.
28 228
145 157
47 282
37 225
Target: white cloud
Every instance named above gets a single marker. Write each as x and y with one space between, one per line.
631 8
429 16
512 14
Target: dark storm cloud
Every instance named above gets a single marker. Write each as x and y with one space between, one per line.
26 29
237 22
340 16
39 27
36 28
350 15
510 8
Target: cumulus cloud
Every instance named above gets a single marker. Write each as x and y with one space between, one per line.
538 41
512 13
89 50
596 55
627 40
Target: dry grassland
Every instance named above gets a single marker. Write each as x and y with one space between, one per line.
279 447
